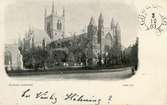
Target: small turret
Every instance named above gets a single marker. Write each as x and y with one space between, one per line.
118 27
100 28
112 24
63 12
118 36
92 29
100 22
53 8
45 14
92 21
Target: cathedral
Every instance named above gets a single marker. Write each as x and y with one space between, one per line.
92 44
54 24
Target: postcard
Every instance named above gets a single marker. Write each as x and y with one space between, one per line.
83 52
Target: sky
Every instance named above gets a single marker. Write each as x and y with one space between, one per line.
22 14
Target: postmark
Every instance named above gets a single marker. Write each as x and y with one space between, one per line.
153 18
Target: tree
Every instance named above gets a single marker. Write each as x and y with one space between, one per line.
35 58
134 54
71 58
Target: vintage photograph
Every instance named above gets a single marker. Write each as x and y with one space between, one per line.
71 40
83 52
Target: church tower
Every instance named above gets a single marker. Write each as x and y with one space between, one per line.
100 34
100 28
54 24
92 31
118 37
112 24
92 38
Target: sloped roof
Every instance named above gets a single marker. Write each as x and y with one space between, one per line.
40 35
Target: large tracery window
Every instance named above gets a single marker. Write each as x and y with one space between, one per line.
108 39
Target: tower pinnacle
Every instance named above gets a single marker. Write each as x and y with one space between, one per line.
112 24
100 22
63 12
100 34
45 12
92 21
53 7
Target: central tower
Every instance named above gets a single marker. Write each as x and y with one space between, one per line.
54 24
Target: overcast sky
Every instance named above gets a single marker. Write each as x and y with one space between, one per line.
22 14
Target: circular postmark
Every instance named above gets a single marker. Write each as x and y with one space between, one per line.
152 18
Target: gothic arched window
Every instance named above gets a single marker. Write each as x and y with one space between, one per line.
108 39
59 25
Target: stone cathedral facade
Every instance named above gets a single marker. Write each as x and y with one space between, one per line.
91 44
102 39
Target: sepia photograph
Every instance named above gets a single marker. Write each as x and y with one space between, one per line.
94 41
83 52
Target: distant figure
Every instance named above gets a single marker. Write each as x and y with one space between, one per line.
133 70
153 21
136 66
